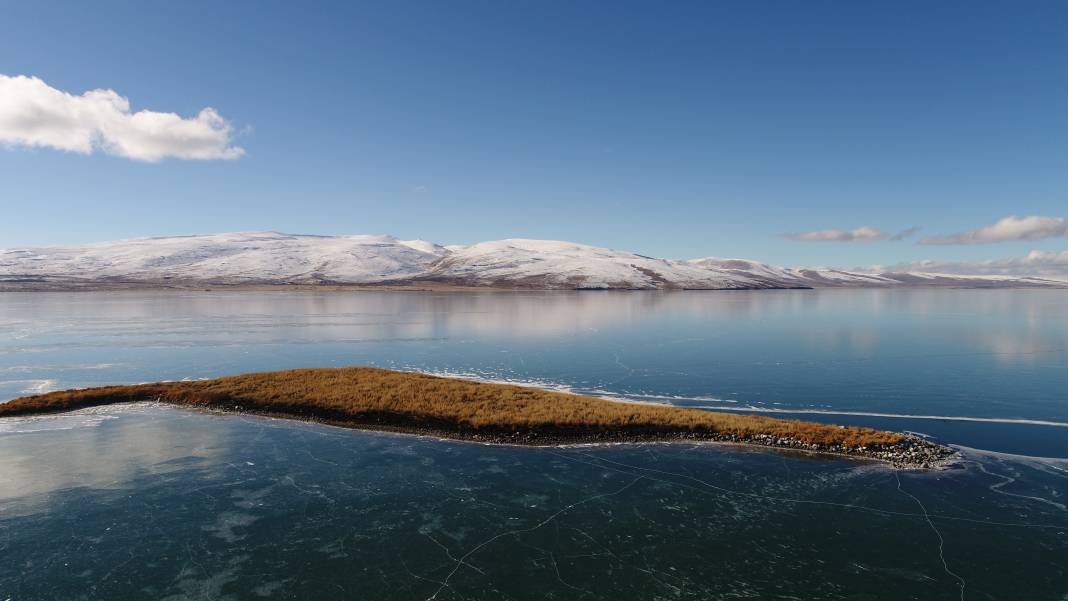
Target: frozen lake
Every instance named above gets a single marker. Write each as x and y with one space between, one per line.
152 502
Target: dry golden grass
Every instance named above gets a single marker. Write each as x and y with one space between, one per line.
362 396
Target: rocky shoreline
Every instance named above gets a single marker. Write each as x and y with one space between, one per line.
914 452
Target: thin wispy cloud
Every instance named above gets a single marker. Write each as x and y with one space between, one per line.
905 233
34 114
1033 227
860 234
1037 263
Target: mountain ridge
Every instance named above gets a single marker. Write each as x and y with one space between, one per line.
276 258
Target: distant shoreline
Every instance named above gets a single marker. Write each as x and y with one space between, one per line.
383 263
452 408
105 286
8 286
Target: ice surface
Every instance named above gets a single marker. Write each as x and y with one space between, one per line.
163 503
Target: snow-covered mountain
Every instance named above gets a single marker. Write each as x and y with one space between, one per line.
552 264
250 257
276 258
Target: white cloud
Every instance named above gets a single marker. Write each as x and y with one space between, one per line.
861 234
1033 227
32 113
1041 263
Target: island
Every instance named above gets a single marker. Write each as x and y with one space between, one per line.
416 403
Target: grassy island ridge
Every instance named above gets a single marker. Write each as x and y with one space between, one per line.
364 397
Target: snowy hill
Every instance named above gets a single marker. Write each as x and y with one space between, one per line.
276 258
552 264
249 257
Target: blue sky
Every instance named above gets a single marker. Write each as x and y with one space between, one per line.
671 129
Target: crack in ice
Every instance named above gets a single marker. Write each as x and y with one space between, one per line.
941 541
463 559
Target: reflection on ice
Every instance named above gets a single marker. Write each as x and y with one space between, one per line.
47 455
